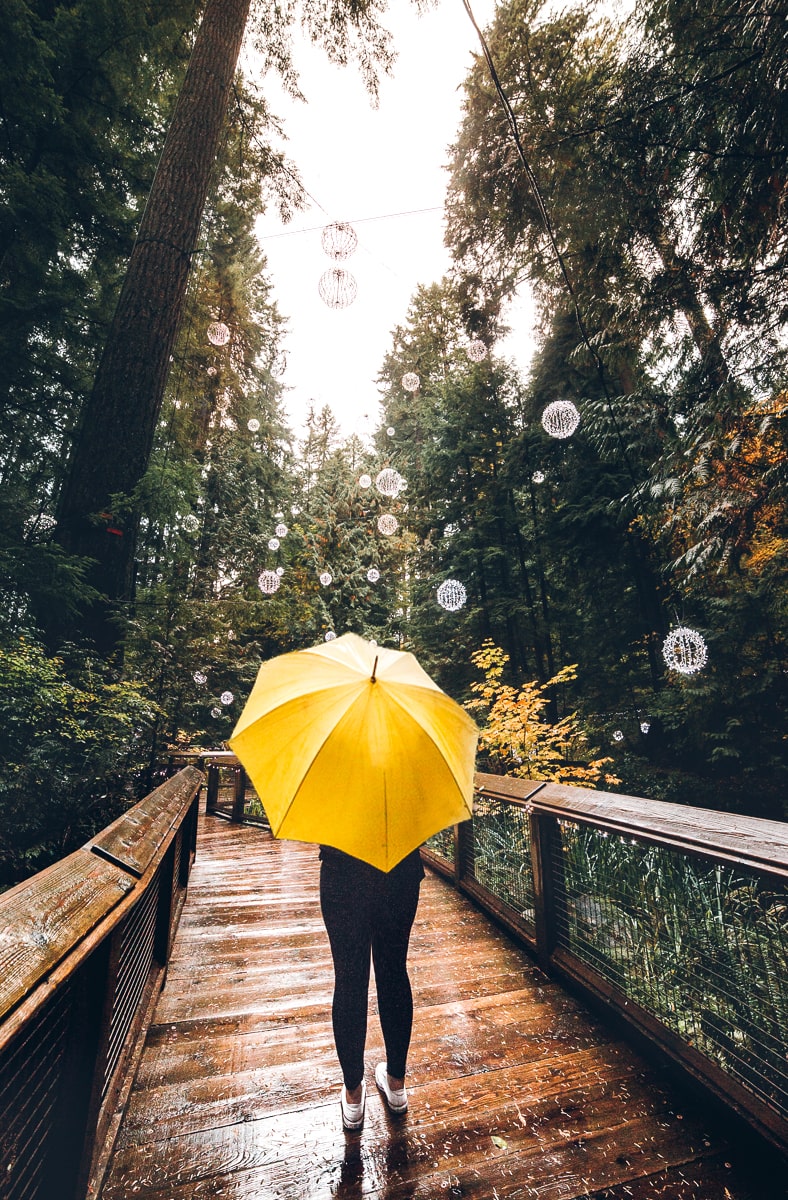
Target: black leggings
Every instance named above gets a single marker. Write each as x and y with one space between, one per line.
366 910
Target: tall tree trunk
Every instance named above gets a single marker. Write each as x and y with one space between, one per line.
113 445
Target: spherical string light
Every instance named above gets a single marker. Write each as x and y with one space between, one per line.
339 240
365 481
373 574
190 523
410 381
645 726
326 578
280 570
388 524
337 288
560 419
216 712
330 635
391 431
684 650
618 736
388 481
452 595
538 477
200 678
253 425
268 582
281 531
212 371
295 510
227 697
273 543
217 333
477 350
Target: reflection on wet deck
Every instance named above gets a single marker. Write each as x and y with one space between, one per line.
516 1091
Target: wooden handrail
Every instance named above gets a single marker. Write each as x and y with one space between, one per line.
84 947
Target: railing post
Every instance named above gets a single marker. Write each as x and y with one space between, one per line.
545 841
212 788
239 793
463 850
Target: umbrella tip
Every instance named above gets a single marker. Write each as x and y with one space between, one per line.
374 668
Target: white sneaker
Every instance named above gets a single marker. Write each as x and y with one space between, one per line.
353 1114
396 1100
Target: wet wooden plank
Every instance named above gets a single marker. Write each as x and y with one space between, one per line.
516 1091
45 917
137 837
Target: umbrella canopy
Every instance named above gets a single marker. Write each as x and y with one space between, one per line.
353 745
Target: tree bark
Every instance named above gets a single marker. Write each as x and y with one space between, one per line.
113 445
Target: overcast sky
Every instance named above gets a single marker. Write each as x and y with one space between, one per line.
365 166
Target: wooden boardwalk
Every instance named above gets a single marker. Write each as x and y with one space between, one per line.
515 1090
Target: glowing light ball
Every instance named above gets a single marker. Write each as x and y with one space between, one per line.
273 543
560 419
218 334
538 477
330 635
227 697
452 595
190 523
365 481
645 726
216 712
280 570
337 288
373 574
684 650
388 524
388 481
410 381
618 736
212 371
200 678
281 531
477 350
295 510
339 240
391 431
326 578
268 582
253 425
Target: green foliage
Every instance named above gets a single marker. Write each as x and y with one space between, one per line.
72 741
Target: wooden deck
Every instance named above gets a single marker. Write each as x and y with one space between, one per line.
515 1090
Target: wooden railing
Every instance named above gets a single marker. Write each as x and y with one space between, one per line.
673 918
84 947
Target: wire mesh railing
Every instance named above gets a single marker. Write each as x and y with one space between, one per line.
675 918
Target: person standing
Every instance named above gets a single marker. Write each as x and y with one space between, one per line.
368 915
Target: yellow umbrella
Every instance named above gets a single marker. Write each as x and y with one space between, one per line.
353 745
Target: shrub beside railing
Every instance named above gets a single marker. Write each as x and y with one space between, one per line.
84 947
674 917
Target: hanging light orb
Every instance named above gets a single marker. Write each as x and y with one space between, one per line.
227 697
279 516
388 481
538 477
190 523
391 431
218 334
280 570
618 736
200 678
268 582
373 574
560 419
212 371
388 524
281 531
645 726
684 651
216 712
273 543
410 381
365 481
477 350
330 635
326 578
295 510
452 595
339 240
337 288
253 425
